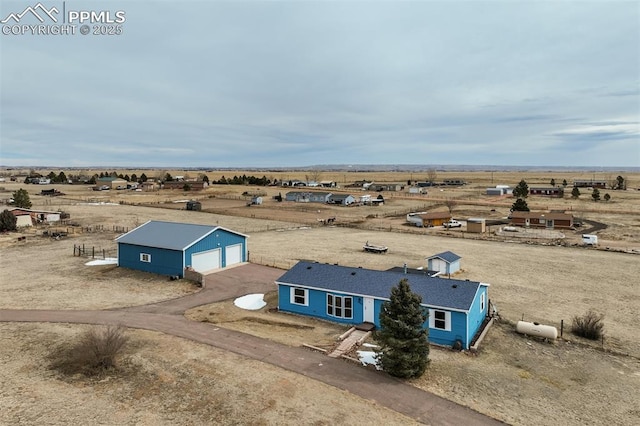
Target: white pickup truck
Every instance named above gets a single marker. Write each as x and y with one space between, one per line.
452 224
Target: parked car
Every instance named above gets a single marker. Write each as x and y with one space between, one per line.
452 224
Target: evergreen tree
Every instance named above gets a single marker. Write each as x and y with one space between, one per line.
607 197
553 182
21 199
402 336
620 183
205 178
522 190
127 178
595 194
564 183
575 192
134 177
520 206
7 221
62 178
143 177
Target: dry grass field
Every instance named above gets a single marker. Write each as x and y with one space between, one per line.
513 378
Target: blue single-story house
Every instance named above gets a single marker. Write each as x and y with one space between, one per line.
446 263
457 308
167 248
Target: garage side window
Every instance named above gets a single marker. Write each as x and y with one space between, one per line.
482 302
299 296
145 257
440 320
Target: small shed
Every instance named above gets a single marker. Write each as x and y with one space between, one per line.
167 248
446 263
256 200
476 225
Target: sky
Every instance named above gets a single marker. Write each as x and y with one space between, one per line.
300 83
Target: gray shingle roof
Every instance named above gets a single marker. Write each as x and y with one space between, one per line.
447 256
168 235
435 292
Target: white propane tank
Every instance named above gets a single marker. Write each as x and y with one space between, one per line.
536 329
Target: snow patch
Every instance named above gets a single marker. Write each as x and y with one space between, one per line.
251 302
368 358
107 261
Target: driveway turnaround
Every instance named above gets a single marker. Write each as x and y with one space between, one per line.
167 318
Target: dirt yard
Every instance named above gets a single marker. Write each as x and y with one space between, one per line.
513 378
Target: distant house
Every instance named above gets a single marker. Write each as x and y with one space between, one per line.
364 184
590 183
298 196
167 248
328 184
23 219
549 220
446 263
36 216
319 197
192 185
342 199
457 309
454 182
499 190
551 191
379 187
417 190
428 219
112 182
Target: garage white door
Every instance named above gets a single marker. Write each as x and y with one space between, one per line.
233 254
206 260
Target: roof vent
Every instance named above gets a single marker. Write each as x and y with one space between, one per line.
454 286
353 273
308 267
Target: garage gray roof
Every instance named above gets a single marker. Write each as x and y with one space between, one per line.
168 235
435 292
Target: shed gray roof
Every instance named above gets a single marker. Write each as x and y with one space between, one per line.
447 256
169 235
435 292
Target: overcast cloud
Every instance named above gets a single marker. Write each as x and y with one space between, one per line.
278 83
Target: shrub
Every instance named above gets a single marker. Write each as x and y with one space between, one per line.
588 325
95 351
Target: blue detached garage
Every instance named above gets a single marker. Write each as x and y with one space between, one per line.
457 308
167 248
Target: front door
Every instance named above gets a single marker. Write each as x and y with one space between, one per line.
369 310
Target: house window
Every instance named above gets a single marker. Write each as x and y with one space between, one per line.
440 320
145 257
339 306
300 296
482 302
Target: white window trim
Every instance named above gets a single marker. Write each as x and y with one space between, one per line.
145 257
293 296
447 319
342 306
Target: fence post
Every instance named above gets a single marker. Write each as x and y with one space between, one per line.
561 327
93 252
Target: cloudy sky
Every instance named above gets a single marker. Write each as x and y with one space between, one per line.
299 83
